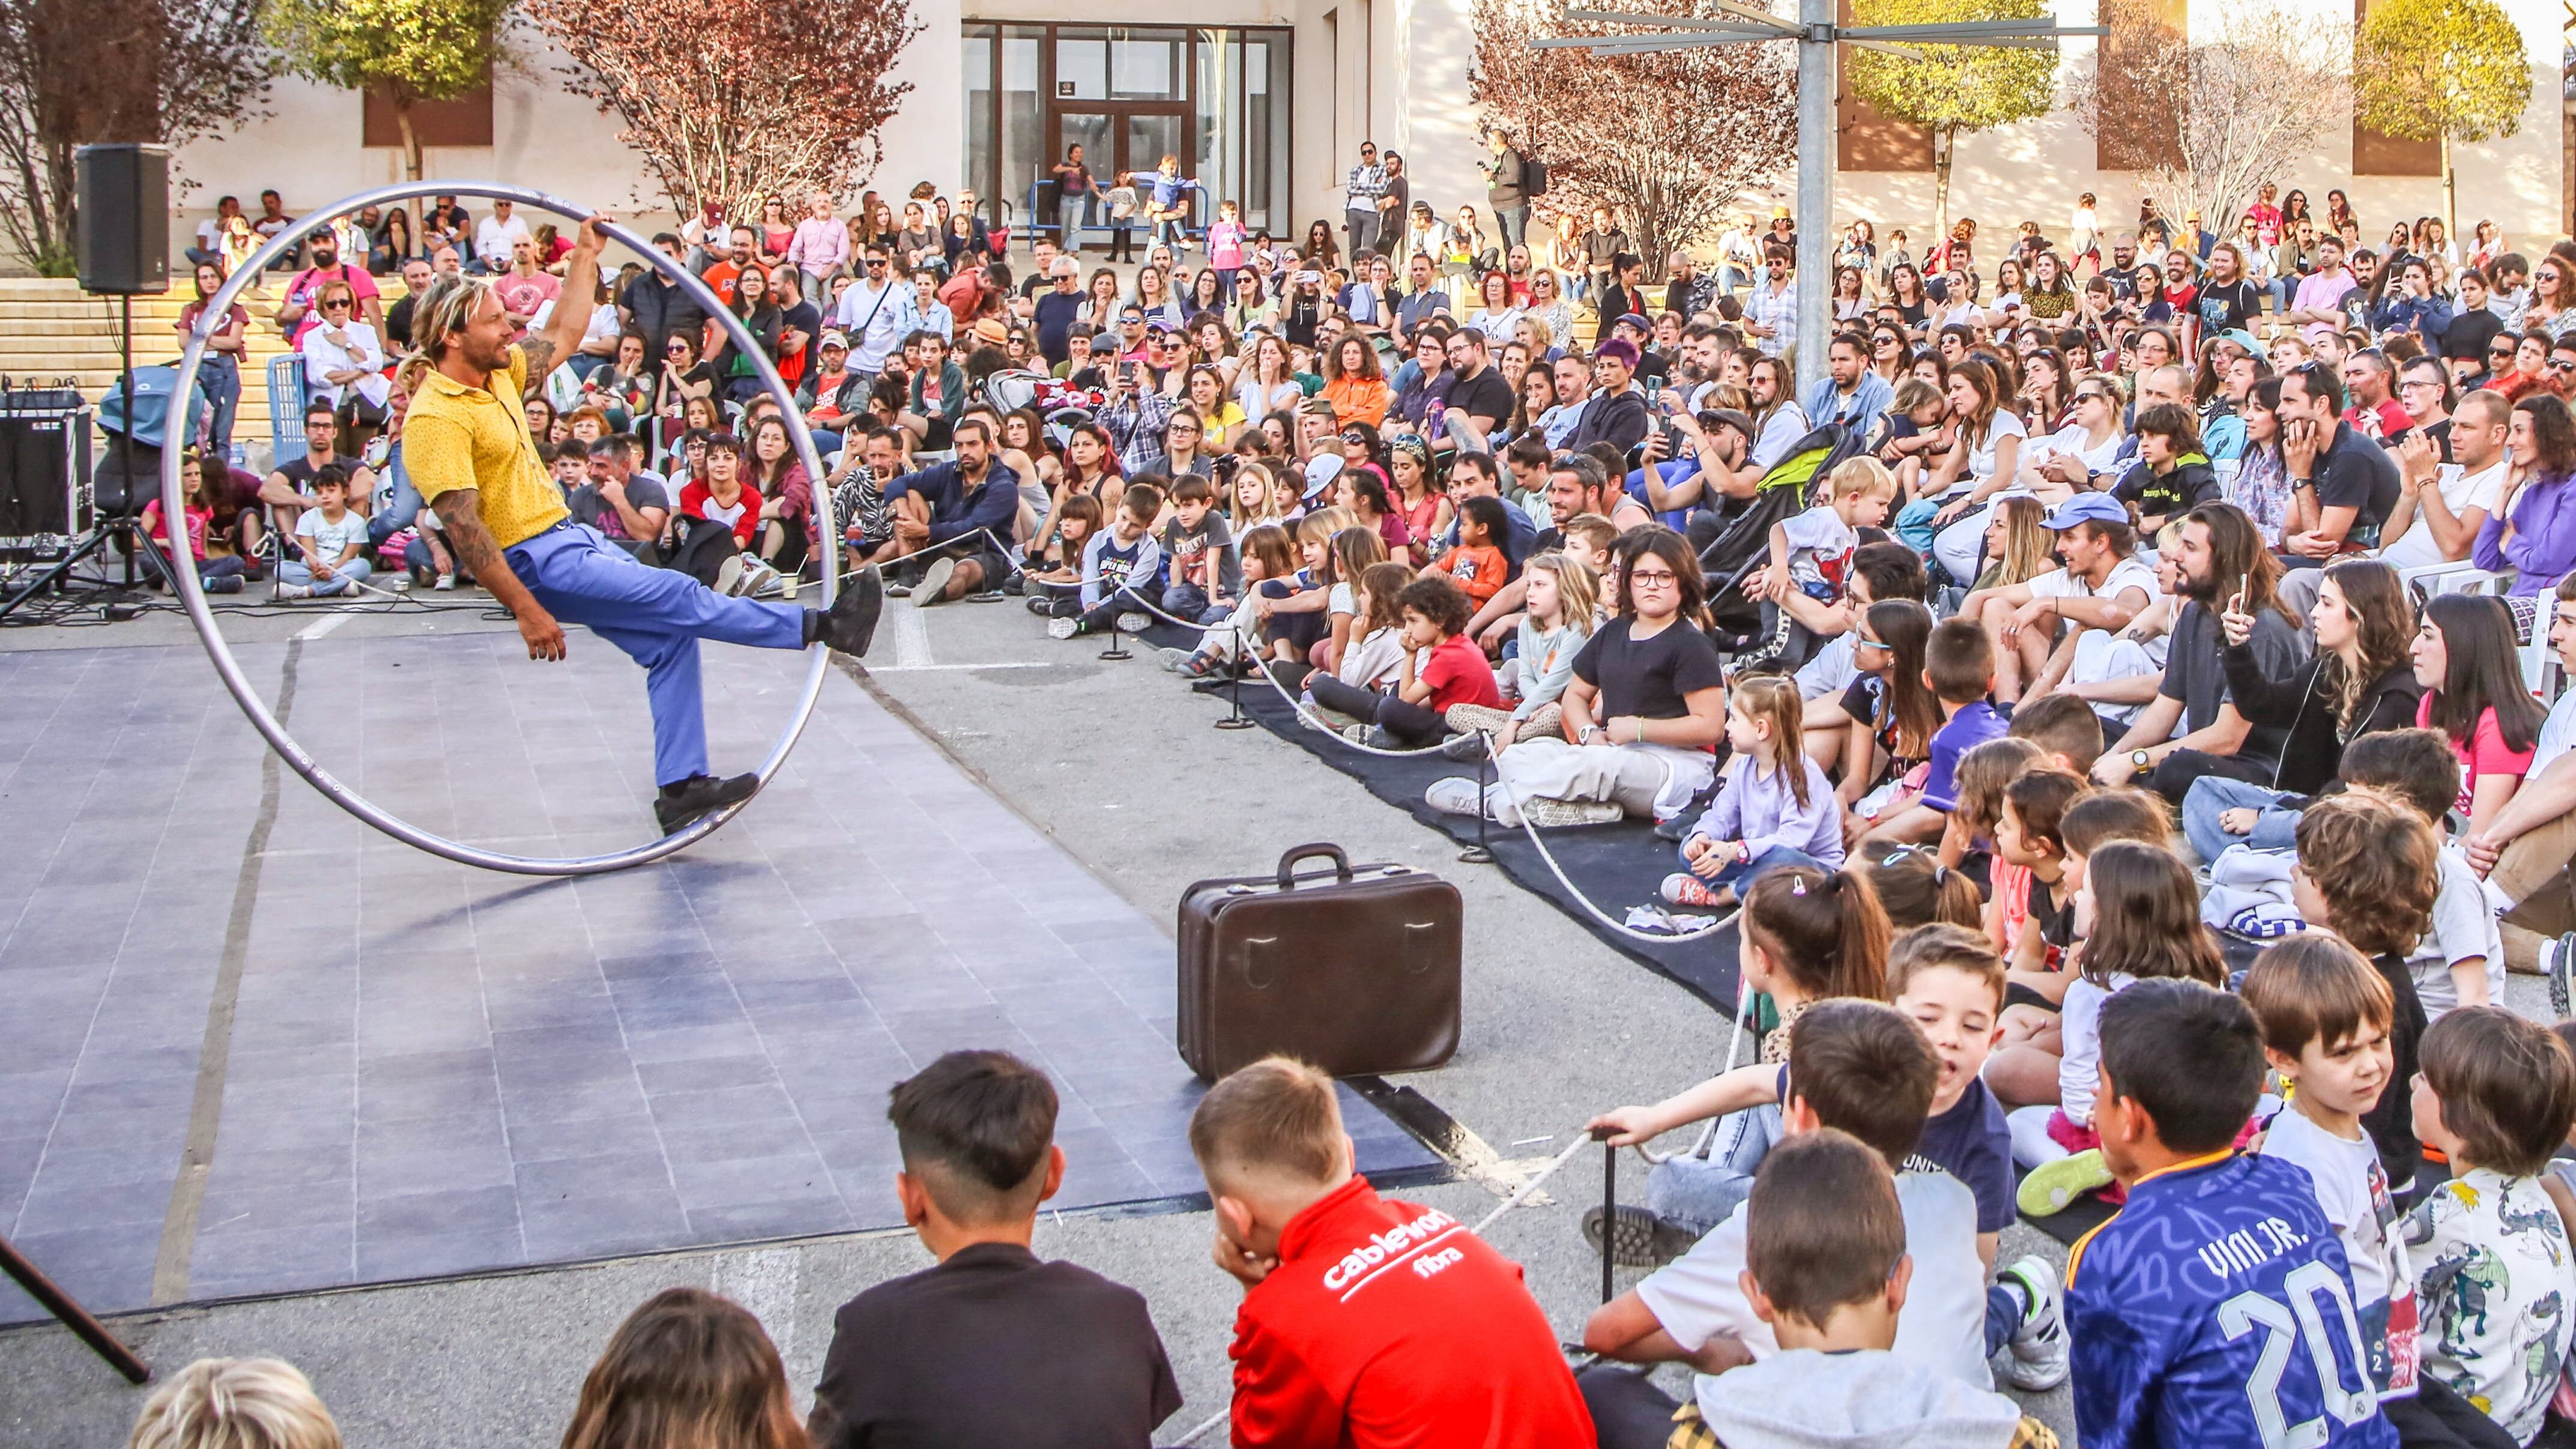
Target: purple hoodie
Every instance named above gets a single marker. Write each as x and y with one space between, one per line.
2543 546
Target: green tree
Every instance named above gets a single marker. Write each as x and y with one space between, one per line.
2446 70
407 51
1952 89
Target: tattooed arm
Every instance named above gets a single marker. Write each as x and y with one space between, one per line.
458 509
573 306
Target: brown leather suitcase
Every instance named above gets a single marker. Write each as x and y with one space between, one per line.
1355 972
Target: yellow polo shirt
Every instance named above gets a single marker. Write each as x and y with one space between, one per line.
464 437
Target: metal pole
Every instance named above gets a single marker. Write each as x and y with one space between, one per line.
1815 188
61 1304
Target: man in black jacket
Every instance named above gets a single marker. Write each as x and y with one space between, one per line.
1616 415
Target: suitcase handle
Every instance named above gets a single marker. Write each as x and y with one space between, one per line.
1296 853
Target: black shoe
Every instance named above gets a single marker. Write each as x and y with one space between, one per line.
680 805
1016 585
851 622
1673 829
1638 1238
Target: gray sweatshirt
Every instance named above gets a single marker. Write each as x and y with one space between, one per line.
1867 1399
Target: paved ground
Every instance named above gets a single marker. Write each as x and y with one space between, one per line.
1115 764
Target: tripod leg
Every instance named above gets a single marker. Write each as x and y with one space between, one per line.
88 546
72 1315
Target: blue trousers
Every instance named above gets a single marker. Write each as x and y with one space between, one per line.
657 616
2213 795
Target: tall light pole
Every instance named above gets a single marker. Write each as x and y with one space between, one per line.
1816 35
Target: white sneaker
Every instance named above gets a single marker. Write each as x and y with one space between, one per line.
756 575
1452 796
1063 628
446 582
933 588
729 576
295 591
1549 814
1134 623
2039 1347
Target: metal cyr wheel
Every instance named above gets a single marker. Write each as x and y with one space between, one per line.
193 595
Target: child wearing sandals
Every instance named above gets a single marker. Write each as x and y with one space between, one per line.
1775 809
1556 623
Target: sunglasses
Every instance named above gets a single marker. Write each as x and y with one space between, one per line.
875 262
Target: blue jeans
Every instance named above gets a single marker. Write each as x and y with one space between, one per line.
657 616
219 378
1189 601
2212 795
402 504
1513 222
1745 872
1699 1191
343 579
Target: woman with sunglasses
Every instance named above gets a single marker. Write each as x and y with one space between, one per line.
2520 365
2553 298
2067 460
344 365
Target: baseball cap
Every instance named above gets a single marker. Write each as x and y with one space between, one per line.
2087 508
832 337
2244 339
1321 470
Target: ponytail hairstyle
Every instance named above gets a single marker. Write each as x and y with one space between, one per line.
2146 918
1824 930
1773 699
1918 890
1905 626
1354 549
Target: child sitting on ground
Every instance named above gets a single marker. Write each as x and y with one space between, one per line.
2185 1308
2137 914
235 1403
2459 961
2324 1014
1269 563
1329 1349
1203 576
1295 616
1774 808
977 1133
1826 1269
1861 1067
2031 1002
1375 656
2494 1279
1477 564
1959 669
331 539
2065 728
2368 872
1561 595
1076 522
1804 936
1439 667
1984 774
1118 568
2029 834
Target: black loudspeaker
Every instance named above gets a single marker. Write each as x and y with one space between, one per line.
124 218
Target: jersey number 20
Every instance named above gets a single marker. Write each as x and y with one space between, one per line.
2301 1320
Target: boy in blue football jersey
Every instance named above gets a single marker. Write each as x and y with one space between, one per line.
2217 1308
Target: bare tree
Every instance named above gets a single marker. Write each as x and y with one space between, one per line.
1669 140
76 72
781 96
2205 120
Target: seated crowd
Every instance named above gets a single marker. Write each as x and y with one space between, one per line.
1915 674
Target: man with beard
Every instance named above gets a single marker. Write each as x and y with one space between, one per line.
298 315
467 448
2223 566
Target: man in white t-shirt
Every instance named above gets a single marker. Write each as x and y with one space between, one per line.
1872 1077
2102 586
2436 524
2524 851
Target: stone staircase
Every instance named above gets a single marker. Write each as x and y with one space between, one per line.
50 328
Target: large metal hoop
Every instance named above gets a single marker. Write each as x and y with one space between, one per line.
193 594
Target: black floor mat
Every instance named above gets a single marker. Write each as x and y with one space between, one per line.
1616 866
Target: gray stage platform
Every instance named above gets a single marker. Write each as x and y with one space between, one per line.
432 1070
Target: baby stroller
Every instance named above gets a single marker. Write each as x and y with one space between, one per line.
1757 632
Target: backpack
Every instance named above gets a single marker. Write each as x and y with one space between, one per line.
1533 176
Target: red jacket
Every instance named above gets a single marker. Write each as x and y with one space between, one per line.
1389 1324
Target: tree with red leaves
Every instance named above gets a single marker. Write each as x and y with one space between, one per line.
784 97
1668 140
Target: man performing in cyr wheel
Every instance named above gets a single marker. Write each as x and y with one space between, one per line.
467 447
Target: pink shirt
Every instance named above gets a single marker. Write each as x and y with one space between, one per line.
2484 753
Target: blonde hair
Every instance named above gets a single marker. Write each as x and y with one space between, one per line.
1277 1114
1864 475
1578 589
236 1403
1774 699
446 307
2027 542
